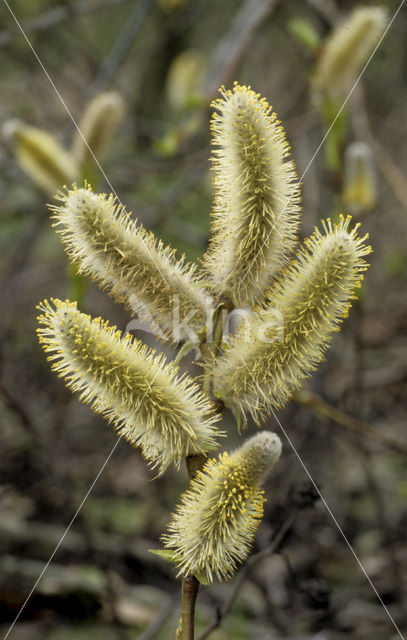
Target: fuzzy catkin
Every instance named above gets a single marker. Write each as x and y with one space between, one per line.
348 48
256 196
136 390
213 527
126 260
97 126
275 350
41 156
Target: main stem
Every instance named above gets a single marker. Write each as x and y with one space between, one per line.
190 588
190 585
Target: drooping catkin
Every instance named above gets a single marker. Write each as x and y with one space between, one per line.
97 126
41 156
136 269
256 196
348 48
167 416
274 351
213 527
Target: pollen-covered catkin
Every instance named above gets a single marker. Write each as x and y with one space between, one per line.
213 527
256 196
274 351
41 156
130 263
97 126
348 48
139 392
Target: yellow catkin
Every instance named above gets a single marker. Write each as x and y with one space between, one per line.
256 196
213 527
275 350
359 189
41 156
137 391
184 79
126 260
348 48
98 125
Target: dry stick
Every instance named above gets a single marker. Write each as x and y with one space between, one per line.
241 576
322 408
121 47
232 46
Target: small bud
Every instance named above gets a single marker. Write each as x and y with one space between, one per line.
40 156
213 527
348 48
98 125
359 191
275 350
256 211
127 261
138 392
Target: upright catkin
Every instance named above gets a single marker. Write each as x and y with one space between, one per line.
256 197
97 126
348 48
276 349
213 527
359 188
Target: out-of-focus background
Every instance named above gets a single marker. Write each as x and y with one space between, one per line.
166 59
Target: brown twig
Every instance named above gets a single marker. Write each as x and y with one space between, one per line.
190 586
121 47
230 49
322 408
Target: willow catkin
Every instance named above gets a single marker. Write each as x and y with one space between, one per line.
348 48
275 350
359 189
256 196
136 390
126 260
183 85
213 527
41 156
97 126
